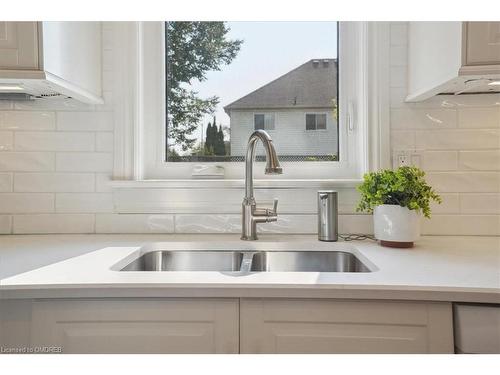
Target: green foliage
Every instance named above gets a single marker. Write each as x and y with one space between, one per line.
173 155
214 140
220 147
405 186
193 49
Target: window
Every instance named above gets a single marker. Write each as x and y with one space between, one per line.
219 89
264 121
315 121
358 116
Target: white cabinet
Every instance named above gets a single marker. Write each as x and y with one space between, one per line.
452 57
482 43
227 325
18 45
334 326
137 326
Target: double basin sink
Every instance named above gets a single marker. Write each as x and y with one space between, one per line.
246 261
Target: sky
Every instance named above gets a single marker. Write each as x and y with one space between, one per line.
269 50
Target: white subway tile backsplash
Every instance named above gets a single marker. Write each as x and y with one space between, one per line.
54 182
6 141
480 204
5 224
104 141
85 121
84 162
398 96
458 139
402 139
6 182
462 225
53 105
27 161
102 183
84 202
423 118
356 224
53 223
107 60
208 223
301 224
19 120
399 34
463 182
480 160
440 160
134 223
398 76
450 204
55 141
399 55
476 100
26 203
481 117
6 104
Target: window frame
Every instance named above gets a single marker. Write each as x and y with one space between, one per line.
363 100
316 122
264 114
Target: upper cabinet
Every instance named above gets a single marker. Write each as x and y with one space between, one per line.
483 43
18 45
51 60
452 58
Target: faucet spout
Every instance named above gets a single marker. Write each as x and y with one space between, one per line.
251 214
272 162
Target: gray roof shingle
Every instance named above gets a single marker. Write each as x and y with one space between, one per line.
312 85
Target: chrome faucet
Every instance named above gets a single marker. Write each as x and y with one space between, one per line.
251 214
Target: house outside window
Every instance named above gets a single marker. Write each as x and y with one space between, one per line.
315 121
264 121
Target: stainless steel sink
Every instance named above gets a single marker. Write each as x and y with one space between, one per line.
222 261
307 261
246 261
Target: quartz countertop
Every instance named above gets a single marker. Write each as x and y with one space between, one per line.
438 268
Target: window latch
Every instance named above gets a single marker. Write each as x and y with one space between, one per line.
350 117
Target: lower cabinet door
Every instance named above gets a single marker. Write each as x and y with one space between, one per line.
137 326
333 326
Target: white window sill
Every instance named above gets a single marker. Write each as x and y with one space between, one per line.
235 184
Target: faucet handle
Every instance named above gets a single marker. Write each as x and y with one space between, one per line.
275 206
266 211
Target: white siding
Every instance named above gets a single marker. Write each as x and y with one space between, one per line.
290 136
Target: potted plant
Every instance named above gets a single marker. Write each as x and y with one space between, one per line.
398 199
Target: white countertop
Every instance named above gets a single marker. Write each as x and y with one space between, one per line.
64 266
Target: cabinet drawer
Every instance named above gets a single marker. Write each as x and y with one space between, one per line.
332 326
137 326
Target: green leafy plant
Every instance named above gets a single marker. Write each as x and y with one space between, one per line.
404 186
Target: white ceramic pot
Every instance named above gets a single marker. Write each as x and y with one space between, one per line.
396 226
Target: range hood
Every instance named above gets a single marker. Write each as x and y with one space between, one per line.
452 58
51 60
469 83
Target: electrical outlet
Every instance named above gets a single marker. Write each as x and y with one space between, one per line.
401 158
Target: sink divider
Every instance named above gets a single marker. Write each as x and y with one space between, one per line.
246 262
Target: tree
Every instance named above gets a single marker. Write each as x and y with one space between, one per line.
220 147
193 49
210 139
